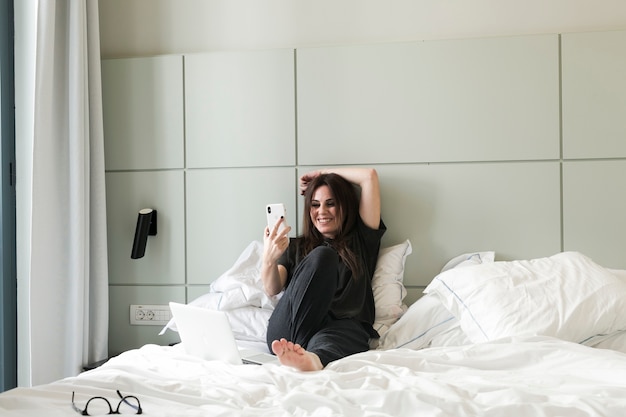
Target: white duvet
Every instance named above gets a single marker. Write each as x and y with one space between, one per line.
535 376
483 343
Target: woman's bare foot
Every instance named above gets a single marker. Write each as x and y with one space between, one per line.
296 356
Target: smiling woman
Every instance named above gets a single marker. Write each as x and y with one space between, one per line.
327 310
8 291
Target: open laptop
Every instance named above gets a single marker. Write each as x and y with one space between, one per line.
207 334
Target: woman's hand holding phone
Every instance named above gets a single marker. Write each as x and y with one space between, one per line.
276 237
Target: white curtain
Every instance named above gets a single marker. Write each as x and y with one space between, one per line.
68 282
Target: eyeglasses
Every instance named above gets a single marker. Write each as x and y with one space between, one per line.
129 404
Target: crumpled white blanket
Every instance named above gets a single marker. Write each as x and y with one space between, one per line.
239 293
241 285
513 377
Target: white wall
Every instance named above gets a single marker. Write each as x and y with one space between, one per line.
154 27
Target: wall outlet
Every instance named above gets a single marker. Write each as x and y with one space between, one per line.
150 315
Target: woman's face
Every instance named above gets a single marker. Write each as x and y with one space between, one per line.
324 213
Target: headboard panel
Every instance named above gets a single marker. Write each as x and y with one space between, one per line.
514 145
450 209
440 101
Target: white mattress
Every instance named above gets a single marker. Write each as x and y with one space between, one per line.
534 376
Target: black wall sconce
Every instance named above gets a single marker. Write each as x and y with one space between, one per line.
146 226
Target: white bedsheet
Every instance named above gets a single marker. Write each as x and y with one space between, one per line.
529 377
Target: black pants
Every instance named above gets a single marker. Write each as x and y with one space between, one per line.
302 314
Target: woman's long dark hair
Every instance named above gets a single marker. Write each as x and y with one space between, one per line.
347 204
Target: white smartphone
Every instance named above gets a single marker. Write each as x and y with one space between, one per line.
274 212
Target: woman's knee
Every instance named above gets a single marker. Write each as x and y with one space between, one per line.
322 264
323 255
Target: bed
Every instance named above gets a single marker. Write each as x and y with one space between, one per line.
540 337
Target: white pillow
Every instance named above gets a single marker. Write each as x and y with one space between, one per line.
567 296
469 259
249 323
388 287
613 341
424 318
427 320
454 336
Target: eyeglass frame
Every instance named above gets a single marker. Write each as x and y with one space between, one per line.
117 409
